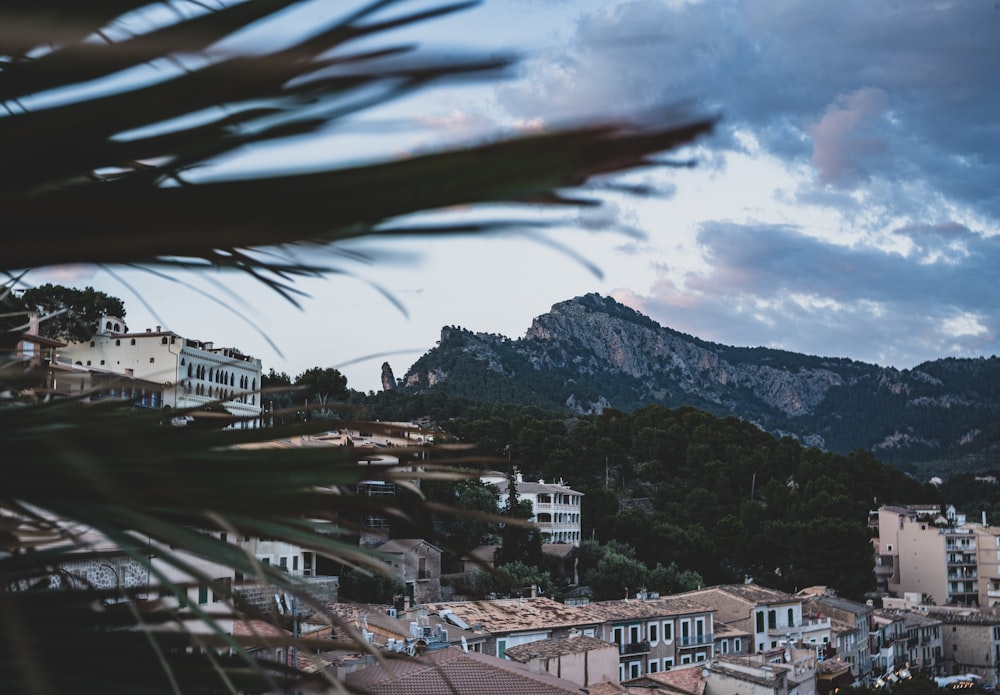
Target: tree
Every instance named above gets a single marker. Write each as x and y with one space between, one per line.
103 176
520 540
321 386
69 314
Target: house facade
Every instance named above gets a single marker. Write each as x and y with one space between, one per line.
555 506
771 617
656 634
418 565
190 373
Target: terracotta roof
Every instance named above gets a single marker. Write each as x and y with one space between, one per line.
453 671
607 689
690 681
626 609
550 648
515 615
754 593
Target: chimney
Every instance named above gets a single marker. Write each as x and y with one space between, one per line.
158 329
534 587
534 662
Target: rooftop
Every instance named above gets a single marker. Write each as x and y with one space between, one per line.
514 615
454 671
625 609
551 648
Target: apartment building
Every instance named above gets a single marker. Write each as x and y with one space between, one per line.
852 623
555 506
772 618
953 562
970 641
656 633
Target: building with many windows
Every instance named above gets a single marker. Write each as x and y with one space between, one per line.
555 506
954 562
183 373
656 634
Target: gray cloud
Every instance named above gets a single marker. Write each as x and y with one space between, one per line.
773 286
862 89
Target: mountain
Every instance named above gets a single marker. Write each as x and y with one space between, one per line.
592 353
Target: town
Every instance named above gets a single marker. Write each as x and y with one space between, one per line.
934 615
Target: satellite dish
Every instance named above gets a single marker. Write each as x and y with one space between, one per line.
788 656
465 644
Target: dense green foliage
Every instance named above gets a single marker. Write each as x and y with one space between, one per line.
70 314
716 497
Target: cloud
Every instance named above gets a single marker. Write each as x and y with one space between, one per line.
843 138
770 285
843 84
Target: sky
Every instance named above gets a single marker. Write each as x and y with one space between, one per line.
847 204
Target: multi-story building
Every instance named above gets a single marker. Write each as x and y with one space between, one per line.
510 622
852 625
656 634
970 640
771 617
953 562
888 641
189 373
555 507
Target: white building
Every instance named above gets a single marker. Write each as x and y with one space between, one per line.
555 507
192 373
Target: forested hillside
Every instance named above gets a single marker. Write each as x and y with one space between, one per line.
716 496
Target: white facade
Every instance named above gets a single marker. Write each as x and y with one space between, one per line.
555 507
192 373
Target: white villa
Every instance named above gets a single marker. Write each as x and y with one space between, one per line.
555 507
180 372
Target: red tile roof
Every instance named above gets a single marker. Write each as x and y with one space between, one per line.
453 671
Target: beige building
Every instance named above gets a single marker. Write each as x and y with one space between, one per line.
771 617
656 634
971 641
952 562
584 660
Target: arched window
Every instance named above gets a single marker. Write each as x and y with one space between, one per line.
118 341
253 386
133 341
108 325
189 370
91 343
163 340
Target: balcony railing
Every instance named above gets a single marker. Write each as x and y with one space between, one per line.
695 640
640 647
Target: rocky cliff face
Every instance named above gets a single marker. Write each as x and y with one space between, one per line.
591 352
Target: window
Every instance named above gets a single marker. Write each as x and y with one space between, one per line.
133 341
668 663
502 649
633 634
737 645
634 669
102 362
91 343
295 563
118 341
760 621
654 665
791 618
725 646
685 633
772 619
700 656
668 632
163 340
888 546
152 359
685 659
202 594
699 629
618 636
653 633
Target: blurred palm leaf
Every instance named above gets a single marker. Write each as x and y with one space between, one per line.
108 105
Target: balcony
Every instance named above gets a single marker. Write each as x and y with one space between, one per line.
695 640
807 625
641 647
